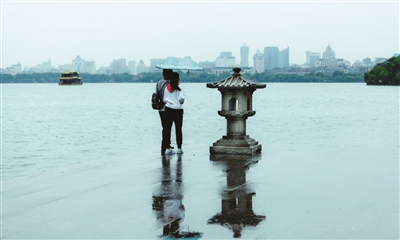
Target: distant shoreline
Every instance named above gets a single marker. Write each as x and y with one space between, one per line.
182 82
188 78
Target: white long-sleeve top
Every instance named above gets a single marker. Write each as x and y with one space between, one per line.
174 98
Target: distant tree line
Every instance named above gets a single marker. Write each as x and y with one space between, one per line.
386 73
337 76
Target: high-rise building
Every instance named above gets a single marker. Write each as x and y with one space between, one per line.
273 58
132 67
78 64
244 56
283 58
90 67
328 58
119 66
153 64
225 59
312 57
258 62
328 54
141 68
270 57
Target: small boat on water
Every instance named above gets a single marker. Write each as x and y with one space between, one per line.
70 78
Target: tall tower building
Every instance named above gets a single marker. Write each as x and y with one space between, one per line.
244 56
258 62
270 57
283 58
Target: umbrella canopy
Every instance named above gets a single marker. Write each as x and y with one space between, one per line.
176 63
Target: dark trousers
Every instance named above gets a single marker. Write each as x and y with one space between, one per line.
172 116
162 118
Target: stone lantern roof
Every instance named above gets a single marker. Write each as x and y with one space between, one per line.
236 81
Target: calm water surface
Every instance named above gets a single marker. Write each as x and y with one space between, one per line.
329 167
45 126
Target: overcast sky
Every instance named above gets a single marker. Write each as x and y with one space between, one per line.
34 32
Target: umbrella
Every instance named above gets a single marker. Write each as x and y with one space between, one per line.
175 63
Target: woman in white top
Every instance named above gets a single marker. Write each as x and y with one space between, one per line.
174 97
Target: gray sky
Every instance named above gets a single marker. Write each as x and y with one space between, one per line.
33 32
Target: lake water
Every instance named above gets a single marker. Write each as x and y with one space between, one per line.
46 126
329 168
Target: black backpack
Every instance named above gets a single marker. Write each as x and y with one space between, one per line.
157 102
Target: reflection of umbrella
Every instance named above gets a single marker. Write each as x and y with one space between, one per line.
175 63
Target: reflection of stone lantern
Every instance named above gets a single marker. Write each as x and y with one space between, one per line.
236 106
237 196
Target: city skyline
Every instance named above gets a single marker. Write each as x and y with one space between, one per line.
34 32
237 59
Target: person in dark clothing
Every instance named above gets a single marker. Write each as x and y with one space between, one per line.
159 86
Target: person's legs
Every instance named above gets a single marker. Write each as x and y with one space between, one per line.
178 121
166 133
162 118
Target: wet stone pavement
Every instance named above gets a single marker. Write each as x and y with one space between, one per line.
280 194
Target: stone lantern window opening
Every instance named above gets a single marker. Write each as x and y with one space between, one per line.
233 104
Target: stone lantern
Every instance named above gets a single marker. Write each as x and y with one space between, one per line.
236 107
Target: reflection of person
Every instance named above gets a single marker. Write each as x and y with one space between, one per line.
167 200
159 86
174 97
174 213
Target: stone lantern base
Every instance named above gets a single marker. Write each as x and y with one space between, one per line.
244 145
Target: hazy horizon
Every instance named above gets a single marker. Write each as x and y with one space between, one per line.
34 32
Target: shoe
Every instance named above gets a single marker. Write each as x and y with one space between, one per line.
169 152
179 151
